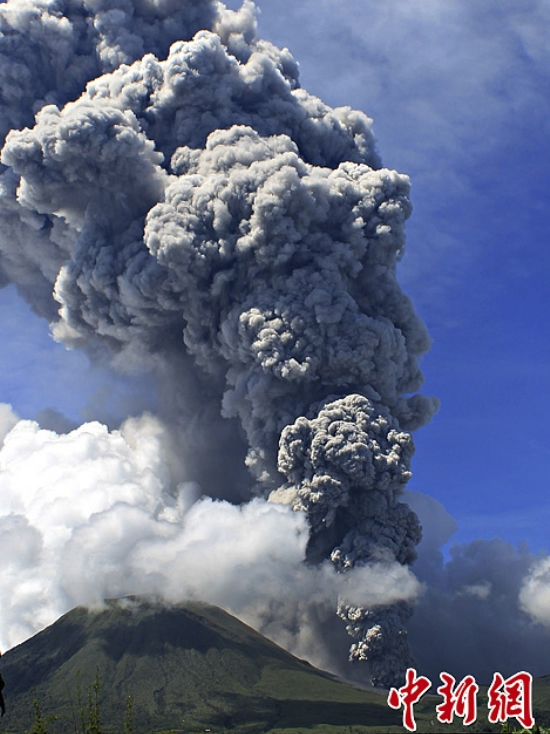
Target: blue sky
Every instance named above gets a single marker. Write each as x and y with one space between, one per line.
459 96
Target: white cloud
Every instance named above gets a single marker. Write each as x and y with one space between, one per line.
535 592
87 515
8 419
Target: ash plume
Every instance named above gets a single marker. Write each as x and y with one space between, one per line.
179 202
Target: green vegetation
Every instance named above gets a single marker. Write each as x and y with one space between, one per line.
191 667
89 717
90 723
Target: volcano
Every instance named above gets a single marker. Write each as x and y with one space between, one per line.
189 667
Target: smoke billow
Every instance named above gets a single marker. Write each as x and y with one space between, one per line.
173 200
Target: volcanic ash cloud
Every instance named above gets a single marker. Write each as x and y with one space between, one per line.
191 206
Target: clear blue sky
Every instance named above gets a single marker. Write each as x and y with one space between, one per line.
459 94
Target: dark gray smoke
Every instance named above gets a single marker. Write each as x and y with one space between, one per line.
180 201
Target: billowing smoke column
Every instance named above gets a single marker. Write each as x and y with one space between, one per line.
181 201
346 467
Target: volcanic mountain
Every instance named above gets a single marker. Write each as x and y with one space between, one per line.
146 667
188 668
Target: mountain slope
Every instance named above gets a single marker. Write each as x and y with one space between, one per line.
189 667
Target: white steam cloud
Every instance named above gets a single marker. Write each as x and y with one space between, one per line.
87 515
171 197
535 593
